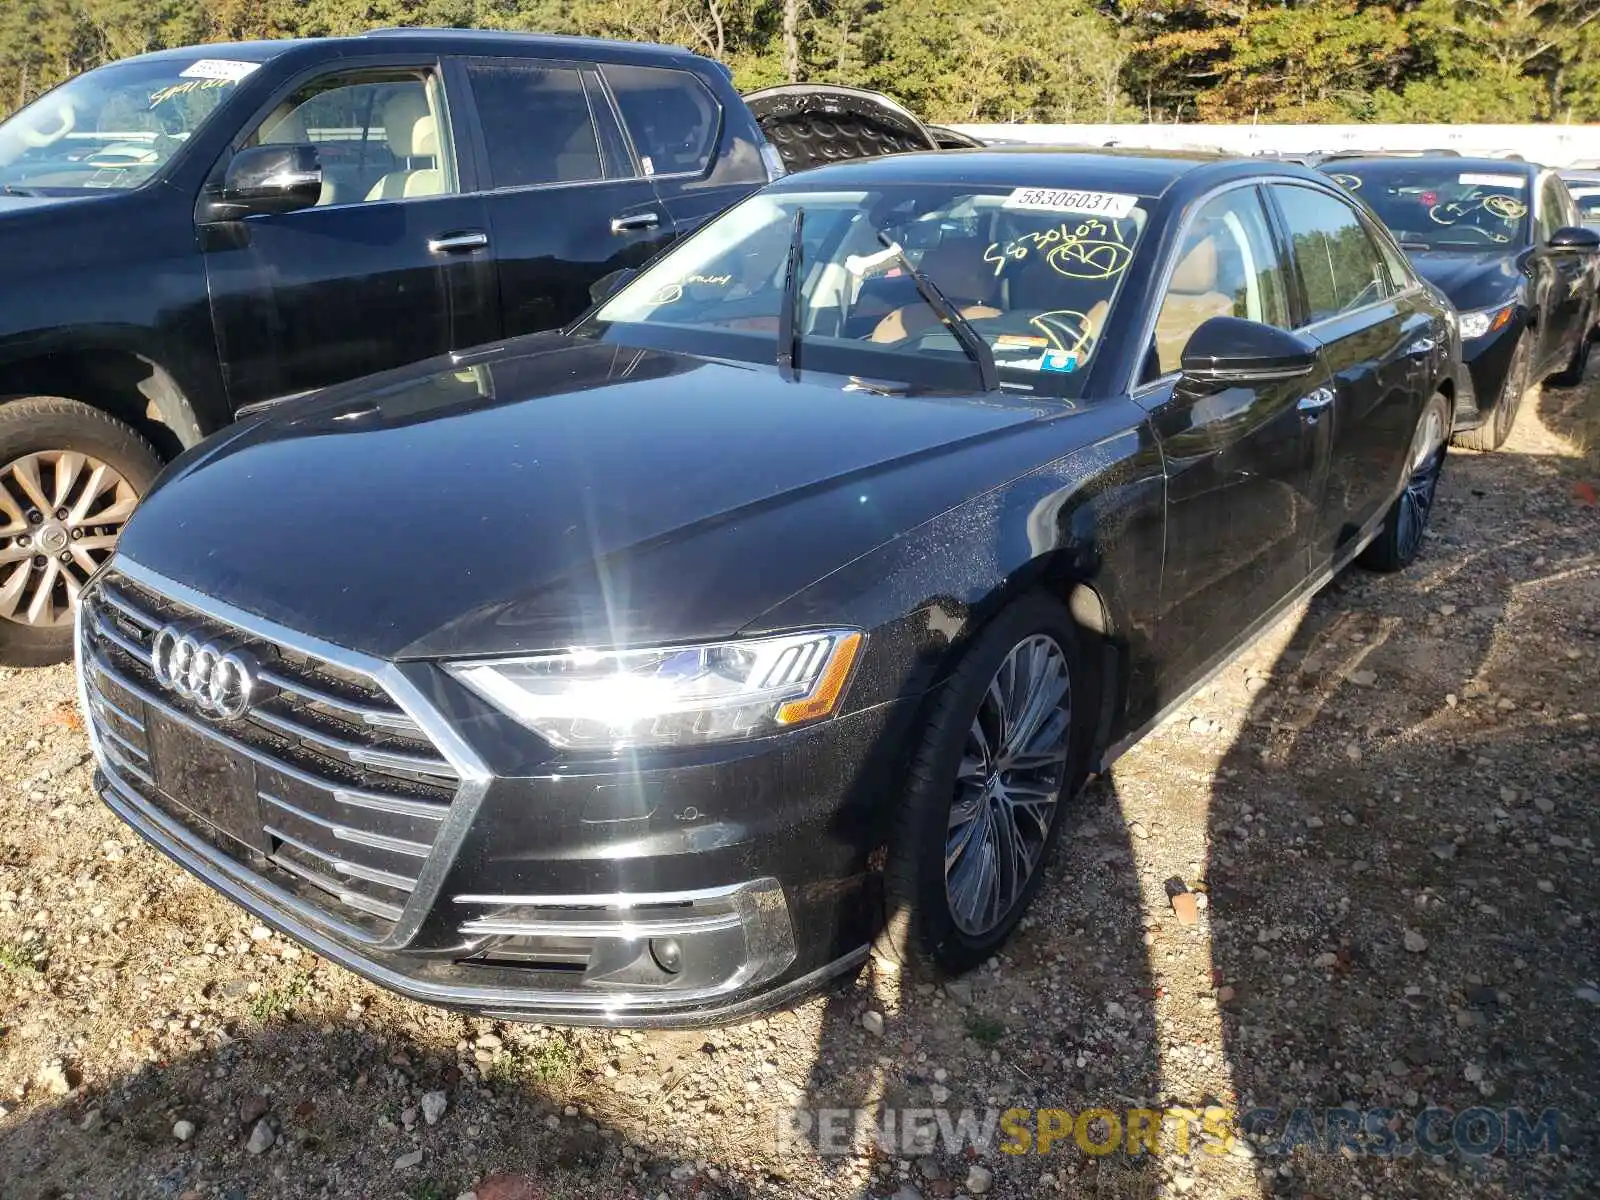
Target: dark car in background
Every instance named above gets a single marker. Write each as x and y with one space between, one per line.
189 233
1505 242
1585 189
878 513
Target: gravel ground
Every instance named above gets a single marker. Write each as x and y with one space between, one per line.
1384 816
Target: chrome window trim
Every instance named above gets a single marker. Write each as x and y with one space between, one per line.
458 817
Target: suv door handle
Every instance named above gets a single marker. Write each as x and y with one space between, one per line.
635 222
450 243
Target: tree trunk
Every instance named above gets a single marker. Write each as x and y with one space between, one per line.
791 40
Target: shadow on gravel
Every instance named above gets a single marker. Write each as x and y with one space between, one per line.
1403 892
337 1092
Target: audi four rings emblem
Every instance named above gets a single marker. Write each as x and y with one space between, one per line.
218 683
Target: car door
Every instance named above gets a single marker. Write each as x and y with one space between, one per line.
1376 340
1566 277
567 202
683 140
1243 461
390 266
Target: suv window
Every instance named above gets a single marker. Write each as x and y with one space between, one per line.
1339 263
536 124
379 135
1227 266
670 115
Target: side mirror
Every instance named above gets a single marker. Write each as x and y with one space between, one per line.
1575 238
273 179
1232 350
610 284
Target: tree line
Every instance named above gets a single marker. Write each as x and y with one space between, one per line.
968 60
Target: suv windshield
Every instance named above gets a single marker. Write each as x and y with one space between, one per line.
1437 206
1035 273
114 127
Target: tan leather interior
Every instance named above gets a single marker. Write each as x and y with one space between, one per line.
958 270
412 133
1193 298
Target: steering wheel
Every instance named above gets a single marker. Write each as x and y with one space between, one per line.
38 138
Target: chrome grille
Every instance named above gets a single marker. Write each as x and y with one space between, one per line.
349 791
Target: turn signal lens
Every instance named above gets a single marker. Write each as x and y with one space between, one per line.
1485 321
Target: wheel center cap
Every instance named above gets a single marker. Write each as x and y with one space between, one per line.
53 538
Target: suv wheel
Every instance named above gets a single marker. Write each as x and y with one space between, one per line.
70 477
1007 745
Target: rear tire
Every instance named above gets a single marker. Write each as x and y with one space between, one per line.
1491 435
1398 543
70 476
984 799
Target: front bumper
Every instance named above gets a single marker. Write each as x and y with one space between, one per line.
683 890
1486 359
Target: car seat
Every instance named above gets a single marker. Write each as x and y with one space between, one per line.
957 268
1193 297
412 134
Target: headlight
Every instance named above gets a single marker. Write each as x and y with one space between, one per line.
674 696
1485 321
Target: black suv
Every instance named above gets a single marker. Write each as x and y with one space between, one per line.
190 232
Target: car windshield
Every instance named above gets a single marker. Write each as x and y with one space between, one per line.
1587 197
1035 273
114 127
1436 206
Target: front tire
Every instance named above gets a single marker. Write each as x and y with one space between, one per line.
1400 539
1572 374
1007 744
1491 435
70 476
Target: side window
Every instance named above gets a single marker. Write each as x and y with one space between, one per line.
672 118
379 135
1552 208
1227 266
1339 263
536 124
1399 269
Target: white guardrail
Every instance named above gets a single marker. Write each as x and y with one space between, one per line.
1551 145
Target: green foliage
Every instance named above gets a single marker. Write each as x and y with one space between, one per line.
275 1002
984 1030
977 60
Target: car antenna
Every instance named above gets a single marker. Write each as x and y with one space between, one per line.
788 323
977 349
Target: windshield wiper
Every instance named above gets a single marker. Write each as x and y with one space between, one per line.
788 324
12 189
1415 246
966 336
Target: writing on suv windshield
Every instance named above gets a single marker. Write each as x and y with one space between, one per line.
114 127
1032 272
1433 208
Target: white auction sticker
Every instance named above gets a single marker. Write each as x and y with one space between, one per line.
218 68
1505 181
1097 204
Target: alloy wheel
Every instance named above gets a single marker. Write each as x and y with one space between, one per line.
1427 460
62 511
1008 785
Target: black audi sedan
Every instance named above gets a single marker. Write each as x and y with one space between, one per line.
1505 242
649 671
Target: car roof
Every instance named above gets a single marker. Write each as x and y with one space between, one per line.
466 41
1452 162
1138 172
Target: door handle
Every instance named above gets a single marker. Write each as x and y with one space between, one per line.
634 222
1314 402
451 243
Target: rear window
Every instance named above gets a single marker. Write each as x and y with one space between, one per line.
671 116
536 124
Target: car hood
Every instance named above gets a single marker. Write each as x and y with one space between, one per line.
555 493
1472 281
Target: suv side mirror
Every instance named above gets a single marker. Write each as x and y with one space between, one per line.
1232 350
609 284
273 179
1576 238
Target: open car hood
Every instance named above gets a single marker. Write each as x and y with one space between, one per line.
814 124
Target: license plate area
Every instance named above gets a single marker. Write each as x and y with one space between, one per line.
210 779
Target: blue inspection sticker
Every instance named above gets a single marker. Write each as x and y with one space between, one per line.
1059 360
